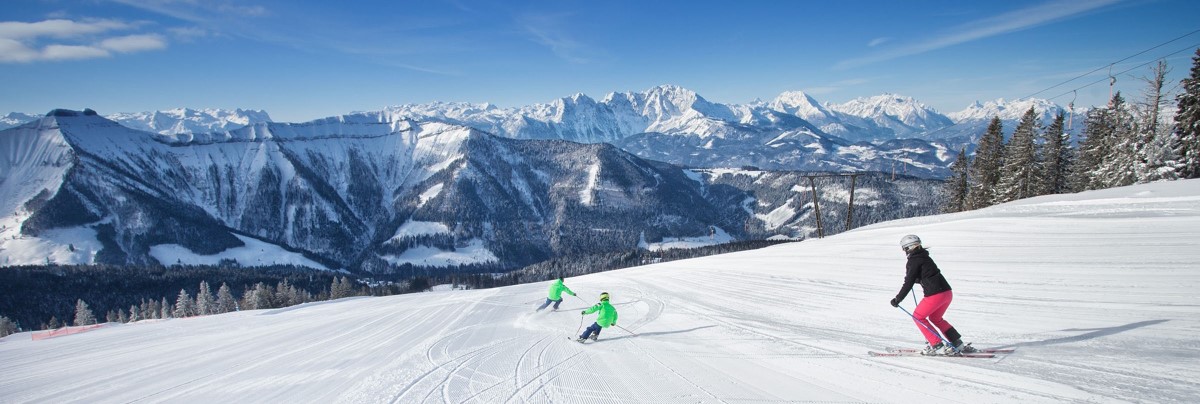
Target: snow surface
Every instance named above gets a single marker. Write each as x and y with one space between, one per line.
1096 291
254 253
414 228
474 252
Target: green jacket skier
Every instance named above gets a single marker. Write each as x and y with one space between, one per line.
606 318
555 294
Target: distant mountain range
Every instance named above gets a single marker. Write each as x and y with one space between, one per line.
673 124
376 192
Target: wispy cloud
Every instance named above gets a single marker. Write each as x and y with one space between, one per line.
1012 21
549 30
61 40
878 41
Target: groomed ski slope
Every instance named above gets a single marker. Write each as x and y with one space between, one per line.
1096 291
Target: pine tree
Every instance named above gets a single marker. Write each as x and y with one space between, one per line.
1055 157
1156 142
225 301
1187 123
1107 156
184 305
989 157
134 314
1020 172
1120 165
164 309
205 304
83 314
958 185
7 327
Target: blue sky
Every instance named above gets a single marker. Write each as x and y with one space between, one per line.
305 60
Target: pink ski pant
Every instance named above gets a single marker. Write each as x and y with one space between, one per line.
930 310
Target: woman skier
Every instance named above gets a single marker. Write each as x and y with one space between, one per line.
606 318
938 295
555 294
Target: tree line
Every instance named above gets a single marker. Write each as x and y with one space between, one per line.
1121 144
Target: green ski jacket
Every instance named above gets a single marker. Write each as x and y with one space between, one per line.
557 288
607 316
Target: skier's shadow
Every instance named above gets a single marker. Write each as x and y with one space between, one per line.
650 334
1093 333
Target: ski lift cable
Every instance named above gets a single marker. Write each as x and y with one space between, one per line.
1190 47
1109 66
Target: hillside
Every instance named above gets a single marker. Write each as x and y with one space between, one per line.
1095 291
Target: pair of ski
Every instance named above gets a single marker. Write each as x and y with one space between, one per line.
583 341
979 353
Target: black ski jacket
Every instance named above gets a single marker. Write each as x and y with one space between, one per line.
922 269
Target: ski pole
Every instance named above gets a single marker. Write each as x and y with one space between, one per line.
922 323
580 327
623 328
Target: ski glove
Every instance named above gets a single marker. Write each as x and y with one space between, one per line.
583 313
895 303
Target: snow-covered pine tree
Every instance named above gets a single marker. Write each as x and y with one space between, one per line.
164 309
134 313
1018 177
7 327
985 171
83 314
205 304
1091 150
1157 141
957 186
225 301
1187 122
1119 165
184 305
1055 157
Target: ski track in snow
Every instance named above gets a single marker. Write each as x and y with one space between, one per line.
1098 299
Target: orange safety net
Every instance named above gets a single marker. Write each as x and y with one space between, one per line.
64 331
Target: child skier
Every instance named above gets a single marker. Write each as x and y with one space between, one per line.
607 317
938 295
555 296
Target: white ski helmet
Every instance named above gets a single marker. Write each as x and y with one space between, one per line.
909 241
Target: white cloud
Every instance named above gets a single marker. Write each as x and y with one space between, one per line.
12 51
60 39
58 28
72 52
134 43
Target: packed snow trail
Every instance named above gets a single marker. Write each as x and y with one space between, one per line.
1095 290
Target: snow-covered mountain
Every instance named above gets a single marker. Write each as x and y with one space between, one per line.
186 120
367 191
169 122
677 125
972 122
1094 291
16 119
904 116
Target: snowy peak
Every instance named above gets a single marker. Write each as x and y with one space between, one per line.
802 105
1006 110
185 120
895 107
16 119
